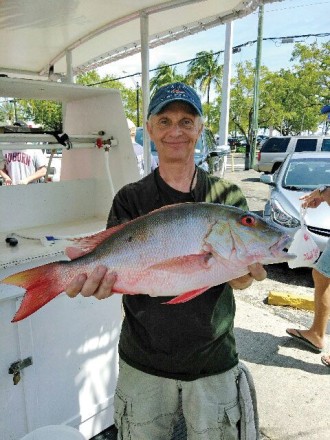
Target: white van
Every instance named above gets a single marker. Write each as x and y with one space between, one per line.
275 149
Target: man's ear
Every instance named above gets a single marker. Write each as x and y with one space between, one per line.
149 129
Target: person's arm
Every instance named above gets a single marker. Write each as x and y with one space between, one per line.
41 172
315 198
5 177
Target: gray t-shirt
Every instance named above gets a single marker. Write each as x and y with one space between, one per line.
22 163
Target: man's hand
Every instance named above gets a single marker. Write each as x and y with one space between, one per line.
23 181
99 284
257 272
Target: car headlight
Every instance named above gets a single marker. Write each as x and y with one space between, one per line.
280 216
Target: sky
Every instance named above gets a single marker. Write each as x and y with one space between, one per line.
281 19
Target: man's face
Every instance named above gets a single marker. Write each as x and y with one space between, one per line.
175 132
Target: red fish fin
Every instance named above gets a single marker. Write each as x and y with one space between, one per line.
74 252
187 296
187 263
85 245
42 284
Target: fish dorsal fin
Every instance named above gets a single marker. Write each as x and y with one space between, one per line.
85 245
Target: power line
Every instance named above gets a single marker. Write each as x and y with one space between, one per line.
237 48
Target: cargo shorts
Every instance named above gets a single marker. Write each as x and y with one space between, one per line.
323 263
148 407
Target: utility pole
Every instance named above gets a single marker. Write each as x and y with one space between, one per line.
254 133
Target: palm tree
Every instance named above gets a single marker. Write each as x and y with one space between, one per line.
204 71
165 74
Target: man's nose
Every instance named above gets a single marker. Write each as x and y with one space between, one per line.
176 128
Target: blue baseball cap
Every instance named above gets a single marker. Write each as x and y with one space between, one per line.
171 93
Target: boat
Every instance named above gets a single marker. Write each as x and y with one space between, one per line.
59 366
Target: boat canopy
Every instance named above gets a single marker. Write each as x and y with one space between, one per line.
41 38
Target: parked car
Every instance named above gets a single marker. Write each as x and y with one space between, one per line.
233 142
274 150
208 155
261 139
299 174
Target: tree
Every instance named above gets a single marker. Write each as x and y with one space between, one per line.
313 63
313 71
46 113
7 111
204 71
241 102
165 74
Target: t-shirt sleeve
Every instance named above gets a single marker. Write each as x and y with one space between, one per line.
235 197
225 192
40 159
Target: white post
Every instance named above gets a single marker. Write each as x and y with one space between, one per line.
225 102
144 30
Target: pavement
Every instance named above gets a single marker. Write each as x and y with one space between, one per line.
291 382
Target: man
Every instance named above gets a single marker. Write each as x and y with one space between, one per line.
138 150
188 351
314 337
23 166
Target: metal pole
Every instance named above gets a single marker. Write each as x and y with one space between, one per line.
256 88
144 29
137 104
224 118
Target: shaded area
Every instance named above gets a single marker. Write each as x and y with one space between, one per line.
301 276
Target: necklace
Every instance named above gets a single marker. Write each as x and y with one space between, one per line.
191 184
162 189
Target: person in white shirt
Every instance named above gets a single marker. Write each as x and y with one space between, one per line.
23 166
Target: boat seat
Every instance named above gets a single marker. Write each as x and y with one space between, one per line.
54 432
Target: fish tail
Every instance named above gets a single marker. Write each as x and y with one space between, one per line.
42 284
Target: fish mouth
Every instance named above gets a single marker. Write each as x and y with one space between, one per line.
280 248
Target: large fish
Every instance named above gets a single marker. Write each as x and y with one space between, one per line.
179 250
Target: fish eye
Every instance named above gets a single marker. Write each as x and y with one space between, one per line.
248 220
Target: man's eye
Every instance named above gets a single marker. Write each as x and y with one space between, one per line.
163 123
187 123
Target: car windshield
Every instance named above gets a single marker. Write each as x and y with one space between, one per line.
307 174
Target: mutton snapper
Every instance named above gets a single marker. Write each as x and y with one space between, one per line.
179 250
